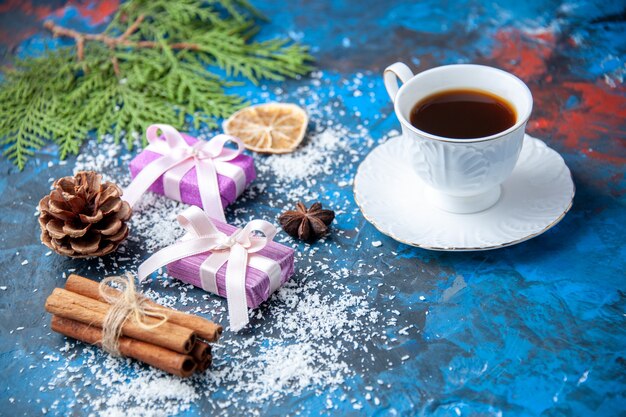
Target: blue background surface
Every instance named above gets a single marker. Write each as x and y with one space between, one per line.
534 329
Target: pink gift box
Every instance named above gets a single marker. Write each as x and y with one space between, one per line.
189 191
257 282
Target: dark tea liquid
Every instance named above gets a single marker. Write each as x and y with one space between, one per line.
463 114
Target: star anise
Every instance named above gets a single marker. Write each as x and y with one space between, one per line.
307 224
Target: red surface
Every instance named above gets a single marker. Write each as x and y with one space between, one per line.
598 110
94 11
20 19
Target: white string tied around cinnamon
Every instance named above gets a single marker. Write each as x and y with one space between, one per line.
126 304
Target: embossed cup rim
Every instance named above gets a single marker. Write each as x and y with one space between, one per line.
521 119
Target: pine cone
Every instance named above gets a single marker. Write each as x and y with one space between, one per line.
83 216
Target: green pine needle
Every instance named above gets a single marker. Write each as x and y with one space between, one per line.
160 73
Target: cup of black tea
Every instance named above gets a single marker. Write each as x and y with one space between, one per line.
466 124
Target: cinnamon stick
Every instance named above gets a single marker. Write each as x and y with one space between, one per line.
165 359
200 351
203 328
205 364
86 310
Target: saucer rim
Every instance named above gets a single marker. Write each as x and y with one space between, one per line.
463 248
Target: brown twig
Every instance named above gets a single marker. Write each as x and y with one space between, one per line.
177 45
71 33
116 66
110 41
80 48
132 28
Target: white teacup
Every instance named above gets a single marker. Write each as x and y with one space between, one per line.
463 175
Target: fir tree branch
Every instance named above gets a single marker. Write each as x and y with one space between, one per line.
151 64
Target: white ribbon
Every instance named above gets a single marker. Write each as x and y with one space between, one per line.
178 157
238 251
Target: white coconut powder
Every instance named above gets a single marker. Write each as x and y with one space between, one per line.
299 340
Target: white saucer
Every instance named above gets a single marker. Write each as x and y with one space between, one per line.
534 198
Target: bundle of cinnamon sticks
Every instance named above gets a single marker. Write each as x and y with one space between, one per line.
79 312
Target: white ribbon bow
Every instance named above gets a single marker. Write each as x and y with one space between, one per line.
178 157
239 250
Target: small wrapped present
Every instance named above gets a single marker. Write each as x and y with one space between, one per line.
203 173
238 264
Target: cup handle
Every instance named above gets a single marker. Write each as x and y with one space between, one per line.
391 75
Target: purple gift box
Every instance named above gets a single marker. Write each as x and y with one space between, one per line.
189 191
257 282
